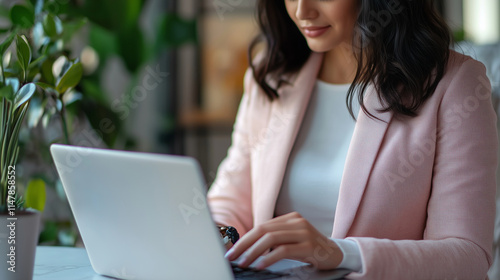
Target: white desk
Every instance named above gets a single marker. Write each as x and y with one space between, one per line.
63 263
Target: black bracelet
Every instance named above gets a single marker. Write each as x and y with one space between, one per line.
230 232
233 234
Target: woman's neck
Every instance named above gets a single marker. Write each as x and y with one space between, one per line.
339 66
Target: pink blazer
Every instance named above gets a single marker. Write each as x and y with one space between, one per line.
417 194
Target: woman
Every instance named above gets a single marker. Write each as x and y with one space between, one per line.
411 194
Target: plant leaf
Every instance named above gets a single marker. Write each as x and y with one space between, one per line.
10 73
6 44
35 112
24 94
14 82
7 92
35 195
38 36
71 78
52 26
22 16
45 86
60 66
12 148
47 74
6 59
36 61
54 47
23 51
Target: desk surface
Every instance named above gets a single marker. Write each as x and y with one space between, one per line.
63 263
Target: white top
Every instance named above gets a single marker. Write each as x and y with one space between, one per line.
312 179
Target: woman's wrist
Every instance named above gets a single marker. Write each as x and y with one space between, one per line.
351 254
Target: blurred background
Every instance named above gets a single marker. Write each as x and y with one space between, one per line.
160 76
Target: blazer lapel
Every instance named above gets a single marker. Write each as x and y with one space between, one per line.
366 141
287 113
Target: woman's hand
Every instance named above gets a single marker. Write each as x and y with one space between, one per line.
291 237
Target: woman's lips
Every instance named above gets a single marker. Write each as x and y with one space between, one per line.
315 31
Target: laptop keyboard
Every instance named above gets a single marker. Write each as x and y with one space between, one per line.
252 273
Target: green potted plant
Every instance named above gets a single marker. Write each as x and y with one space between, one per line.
18 224
57 105
20 78
62 108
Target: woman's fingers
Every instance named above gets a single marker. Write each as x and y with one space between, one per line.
256 233
292 237
319 251
285 251
270 240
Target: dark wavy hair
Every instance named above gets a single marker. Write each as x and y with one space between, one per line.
401 49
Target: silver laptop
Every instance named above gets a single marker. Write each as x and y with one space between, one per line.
145 216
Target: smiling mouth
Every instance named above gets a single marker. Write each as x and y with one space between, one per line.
315 31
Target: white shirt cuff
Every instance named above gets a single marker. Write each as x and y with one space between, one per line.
352 254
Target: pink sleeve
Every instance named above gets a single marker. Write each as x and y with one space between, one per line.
457 241
229 197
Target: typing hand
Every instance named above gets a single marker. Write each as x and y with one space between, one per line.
291 237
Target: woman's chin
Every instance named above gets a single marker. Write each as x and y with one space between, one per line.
319 47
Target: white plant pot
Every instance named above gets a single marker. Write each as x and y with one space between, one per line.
20 234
